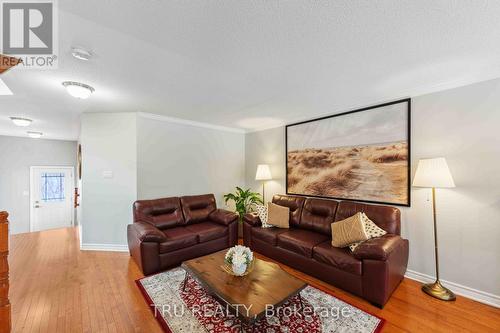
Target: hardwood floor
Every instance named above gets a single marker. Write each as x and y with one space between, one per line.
55 287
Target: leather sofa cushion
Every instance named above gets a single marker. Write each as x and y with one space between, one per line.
267 235
294 203
300 241
318 215
178 238
340 258
386 217
197 208
161 213
207 231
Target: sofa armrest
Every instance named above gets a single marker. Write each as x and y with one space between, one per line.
148 233
378 248
223 216
252 219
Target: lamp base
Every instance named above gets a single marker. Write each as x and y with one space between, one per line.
437 290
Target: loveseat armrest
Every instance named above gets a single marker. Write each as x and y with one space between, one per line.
379 248
252 219
147 232
223 216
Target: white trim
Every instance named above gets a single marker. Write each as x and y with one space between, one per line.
80 234
104 247
189 122
72 169
265 128
45 136
325 114
477 295
411 93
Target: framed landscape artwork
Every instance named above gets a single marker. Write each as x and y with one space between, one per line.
361 155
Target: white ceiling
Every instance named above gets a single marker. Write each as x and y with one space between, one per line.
253 64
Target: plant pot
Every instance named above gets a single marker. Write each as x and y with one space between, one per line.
239 270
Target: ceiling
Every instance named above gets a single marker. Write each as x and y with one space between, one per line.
253 64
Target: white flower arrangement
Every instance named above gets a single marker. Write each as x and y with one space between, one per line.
239 255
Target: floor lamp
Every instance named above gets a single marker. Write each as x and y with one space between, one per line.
263 173
434 173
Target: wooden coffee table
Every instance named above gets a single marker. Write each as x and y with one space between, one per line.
245 296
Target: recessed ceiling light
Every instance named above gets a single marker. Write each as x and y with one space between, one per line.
80 53
78 90
35 135
23 122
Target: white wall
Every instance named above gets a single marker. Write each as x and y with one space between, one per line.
17 155
148 158
175 159
109 145
266 147
462 125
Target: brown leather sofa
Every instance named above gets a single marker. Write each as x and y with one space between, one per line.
168 231
372 271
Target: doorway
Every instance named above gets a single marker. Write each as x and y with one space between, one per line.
51 197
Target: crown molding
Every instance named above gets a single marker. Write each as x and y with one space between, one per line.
413 93
265 128
180 121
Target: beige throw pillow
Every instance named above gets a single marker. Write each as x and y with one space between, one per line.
278 215
348 231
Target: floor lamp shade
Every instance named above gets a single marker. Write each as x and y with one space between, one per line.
433 172
263 172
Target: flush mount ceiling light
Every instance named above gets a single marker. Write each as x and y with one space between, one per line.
35 135
23 122
80 53
78 90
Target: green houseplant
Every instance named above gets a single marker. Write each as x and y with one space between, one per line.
243 200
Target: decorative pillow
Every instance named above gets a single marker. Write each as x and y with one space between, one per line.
348 231
262 212
372 230
278 216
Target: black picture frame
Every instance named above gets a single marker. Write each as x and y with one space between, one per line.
408 185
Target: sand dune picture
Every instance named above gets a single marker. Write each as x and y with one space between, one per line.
359 156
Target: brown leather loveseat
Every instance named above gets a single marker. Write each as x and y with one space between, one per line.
168 231
372 271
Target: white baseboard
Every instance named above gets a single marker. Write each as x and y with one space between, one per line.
477 295
80 234
104 247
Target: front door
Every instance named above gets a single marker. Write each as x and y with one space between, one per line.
51 196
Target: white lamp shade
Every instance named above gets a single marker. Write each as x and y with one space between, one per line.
433 172
263 172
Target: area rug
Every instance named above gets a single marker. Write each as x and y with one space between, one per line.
193 310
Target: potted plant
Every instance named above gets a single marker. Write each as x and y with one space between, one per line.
239 260
243 200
